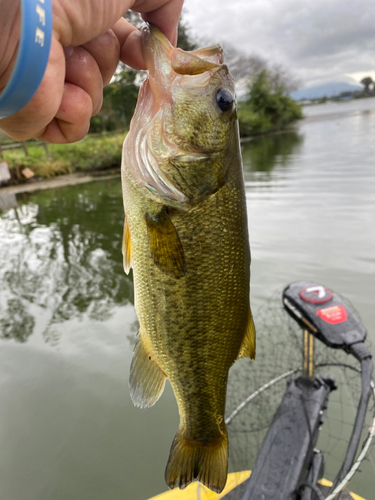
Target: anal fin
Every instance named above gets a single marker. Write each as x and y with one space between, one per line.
146 380
247 349
126 247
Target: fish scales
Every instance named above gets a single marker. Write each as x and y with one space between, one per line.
191 264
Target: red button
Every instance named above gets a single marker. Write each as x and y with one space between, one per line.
333 315
317 294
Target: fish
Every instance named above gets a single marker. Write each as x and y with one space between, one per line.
186 239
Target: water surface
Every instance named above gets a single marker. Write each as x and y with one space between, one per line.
67 323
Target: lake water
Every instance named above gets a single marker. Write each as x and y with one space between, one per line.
68 429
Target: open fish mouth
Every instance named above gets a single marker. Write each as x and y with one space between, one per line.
160 55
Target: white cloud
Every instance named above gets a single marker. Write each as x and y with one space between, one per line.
319 40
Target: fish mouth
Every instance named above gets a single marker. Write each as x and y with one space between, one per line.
166 63
161 56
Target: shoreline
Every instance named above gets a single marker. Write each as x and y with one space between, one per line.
60 181
342 110
95 175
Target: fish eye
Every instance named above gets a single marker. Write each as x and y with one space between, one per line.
224 99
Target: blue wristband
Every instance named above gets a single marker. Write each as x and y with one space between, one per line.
32 57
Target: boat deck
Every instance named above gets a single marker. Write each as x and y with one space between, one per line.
234 490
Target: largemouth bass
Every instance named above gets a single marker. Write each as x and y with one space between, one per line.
186 238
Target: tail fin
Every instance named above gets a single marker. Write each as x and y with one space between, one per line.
189 459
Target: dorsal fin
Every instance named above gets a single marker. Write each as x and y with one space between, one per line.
247 349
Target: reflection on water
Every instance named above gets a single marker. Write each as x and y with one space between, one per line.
334 110
69 428
61 253
16 321
262 154
7 201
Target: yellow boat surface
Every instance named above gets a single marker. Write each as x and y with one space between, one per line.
191 491
196 490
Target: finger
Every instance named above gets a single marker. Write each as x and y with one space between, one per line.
83 71
105 49
72 119
164 14
76 23
130 44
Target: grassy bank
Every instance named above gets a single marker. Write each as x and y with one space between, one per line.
263 112
94 152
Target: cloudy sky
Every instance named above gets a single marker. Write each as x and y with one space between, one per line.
320 41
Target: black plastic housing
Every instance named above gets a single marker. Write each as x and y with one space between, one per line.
287 449
287 466
324 314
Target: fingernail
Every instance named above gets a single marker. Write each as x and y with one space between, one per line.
68 52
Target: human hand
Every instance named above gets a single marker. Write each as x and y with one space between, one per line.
89 37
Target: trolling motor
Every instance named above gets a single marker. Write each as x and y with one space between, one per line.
323 315
288 466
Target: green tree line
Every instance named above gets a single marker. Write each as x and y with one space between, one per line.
267 106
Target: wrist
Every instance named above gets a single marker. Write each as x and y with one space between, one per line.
24 67
10 23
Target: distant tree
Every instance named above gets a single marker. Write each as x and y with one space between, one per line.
266 108
184 40
241 65
247 68
282 80
366 82
119 101
122 93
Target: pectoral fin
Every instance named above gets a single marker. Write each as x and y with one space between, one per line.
247 349
126 248
165 244
146 381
